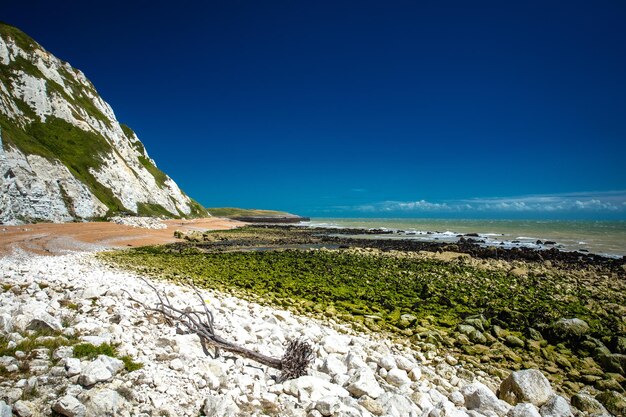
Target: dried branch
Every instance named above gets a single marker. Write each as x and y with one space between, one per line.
294 363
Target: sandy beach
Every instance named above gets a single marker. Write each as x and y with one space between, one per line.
59 238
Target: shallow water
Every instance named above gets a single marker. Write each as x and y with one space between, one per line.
601 237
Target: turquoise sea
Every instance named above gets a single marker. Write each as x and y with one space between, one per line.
601 237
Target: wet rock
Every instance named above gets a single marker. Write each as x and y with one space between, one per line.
69 406
569 329
586 403
529 385
613 362
613 401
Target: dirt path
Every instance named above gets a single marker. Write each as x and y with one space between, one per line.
55 239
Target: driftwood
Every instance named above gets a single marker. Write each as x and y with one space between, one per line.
293 364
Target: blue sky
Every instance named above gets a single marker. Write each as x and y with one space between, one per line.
363 108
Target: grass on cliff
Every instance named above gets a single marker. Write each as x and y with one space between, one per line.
238 212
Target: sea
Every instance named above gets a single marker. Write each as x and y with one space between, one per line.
606 238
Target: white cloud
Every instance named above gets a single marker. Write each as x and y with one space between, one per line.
610 201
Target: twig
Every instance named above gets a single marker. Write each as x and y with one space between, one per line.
294 363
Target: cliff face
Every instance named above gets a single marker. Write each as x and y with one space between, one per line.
63 154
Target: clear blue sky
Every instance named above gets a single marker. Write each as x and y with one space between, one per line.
364 108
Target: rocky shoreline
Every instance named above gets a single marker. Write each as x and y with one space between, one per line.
49 306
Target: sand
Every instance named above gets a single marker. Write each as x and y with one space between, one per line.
61 238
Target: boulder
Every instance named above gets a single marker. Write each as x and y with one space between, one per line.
220 406
371 405
613 362
587 404
398 377
334 366
328 406
336 343
613 401
5 410
395 405
524 410
480 398
101 369
529 385
104 402
69 406
363 382
556 406
568 329
310 388
387 362
23 408
5 324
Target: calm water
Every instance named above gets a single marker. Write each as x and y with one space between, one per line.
602 237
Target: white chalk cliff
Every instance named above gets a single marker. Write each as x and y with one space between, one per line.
63 154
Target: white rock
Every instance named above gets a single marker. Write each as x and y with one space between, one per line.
104 402
23 408
395 405
69 406
95 340
334 366
72 366
415 374
177 364
556 406
398 377
222 406
103 368
405 364
524 410
529 385
355 361
387 362
480 398
309 388
5 324
328 405
363 382
336 343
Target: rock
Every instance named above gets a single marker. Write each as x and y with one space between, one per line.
524 410
613 362
480 398
336 343
586 403
328 406
613 401
371 405
556 406
566 329
220 406
398 377
513 341
363 382
104 402
103 368
406 320
23 408
310 388
72 366
93 292
529 385
6 326
395 405
69 406
334 366
5 410
387 362
355 361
